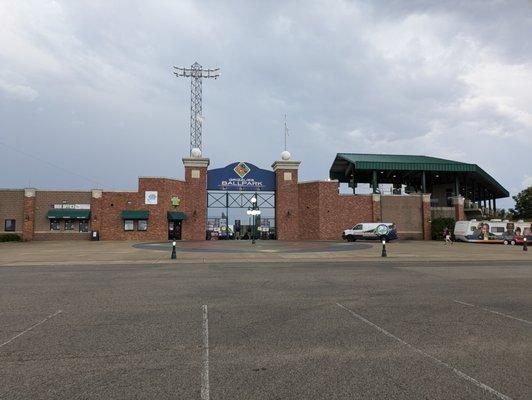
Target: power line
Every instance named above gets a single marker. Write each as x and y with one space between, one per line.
34 157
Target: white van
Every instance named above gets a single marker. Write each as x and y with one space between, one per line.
367 230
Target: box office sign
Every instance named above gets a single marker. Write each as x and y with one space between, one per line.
72 206
150 197
240 176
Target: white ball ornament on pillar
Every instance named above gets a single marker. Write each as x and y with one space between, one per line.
285 155
195 152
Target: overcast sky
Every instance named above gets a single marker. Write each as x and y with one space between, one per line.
88 86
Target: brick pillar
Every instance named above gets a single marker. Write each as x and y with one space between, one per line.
286 199
376 207
426 216
195 199
28 225
459 213
96 210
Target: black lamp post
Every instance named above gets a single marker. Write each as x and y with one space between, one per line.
173 256
253 211
525 245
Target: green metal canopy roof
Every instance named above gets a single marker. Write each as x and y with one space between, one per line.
176 216
135 214
347 164
62 213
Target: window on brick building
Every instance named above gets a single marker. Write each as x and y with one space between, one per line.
9 225
128 225
84 225
69 225
142 225
55 225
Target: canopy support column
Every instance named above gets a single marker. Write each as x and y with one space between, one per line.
374 181
423 182
456 186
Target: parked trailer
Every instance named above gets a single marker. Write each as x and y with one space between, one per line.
493 231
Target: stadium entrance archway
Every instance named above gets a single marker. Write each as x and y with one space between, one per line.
229 196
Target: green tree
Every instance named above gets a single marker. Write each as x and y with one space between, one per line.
502 213
523 204
439 224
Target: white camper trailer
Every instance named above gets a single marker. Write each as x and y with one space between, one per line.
487 231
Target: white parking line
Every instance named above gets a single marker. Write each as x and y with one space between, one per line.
492 311
436 360
205 357
31 327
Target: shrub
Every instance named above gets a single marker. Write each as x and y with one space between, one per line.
10 237
439 224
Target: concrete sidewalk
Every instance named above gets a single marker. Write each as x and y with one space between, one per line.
86 252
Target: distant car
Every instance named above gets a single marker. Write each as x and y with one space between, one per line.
513 238
367 231
509 238
521 239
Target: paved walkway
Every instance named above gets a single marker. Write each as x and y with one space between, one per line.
86 252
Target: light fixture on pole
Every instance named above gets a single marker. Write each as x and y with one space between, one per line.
253 211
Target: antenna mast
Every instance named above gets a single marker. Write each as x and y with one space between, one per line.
285 132
196 73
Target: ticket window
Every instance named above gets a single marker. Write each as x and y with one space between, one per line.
69 225
55 225
84 225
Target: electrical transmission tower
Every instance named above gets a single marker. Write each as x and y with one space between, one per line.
196 73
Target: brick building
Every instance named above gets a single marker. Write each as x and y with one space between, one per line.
421 188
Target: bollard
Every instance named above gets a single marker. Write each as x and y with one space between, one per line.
384 254
525 246
173 257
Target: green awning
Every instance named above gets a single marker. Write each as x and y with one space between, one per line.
62 213
135 214
176 216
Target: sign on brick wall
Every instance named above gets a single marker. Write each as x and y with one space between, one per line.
72 206
150 197
241 176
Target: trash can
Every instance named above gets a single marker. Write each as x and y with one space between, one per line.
95 235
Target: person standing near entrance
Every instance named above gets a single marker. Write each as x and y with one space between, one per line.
447 236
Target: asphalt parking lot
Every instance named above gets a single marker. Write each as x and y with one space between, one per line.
307 330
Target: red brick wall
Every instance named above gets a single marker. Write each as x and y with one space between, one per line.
325 214
12 207
61 235
407 214
28 226
287 211
427 217
112 204
96 211
459 213
195 204
309 210
376 210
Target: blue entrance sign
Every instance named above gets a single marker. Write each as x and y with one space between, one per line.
241 176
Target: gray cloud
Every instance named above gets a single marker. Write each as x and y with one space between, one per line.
449 79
